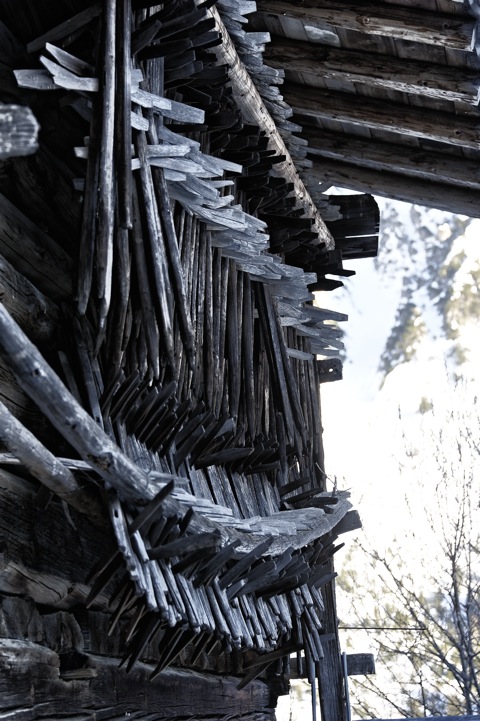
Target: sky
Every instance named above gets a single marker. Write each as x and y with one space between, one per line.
365 421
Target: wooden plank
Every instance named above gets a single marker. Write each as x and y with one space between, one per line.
409 24
436 167
69 26
30 682
253 110
374 114
393 185
375 70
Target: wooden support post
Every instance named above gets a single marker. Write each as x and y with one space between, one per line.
456 130
374 70
418 26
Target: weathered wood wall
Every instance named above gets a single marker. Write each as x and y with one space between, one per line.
147 333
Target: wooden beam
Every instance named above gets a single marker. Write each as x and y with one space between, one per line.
44 466
31 685
412 24
393 185
253 110
463 131
374 70
436 167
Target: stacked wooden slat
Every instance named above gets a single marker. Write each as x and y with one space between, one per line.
190 347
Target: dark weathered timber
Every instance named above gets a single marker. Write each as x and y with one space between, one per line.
33 253
44 558
79 428
404 23
33 311
413 162
32 681
395 185
44 466
373 70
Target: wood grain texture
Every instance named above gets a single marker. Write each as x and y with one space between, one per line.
375 114
413 162
410 24
31 684
379 71
44 556
393 185
33 253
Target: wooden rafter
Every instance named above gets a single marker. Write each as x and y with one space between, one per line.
403 23
369 113
379 71
414 162
393 185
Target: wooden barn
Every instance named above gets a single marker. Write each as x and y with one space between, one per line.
167 525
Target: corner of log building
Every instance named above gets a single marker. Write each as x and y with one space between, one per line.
167 533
